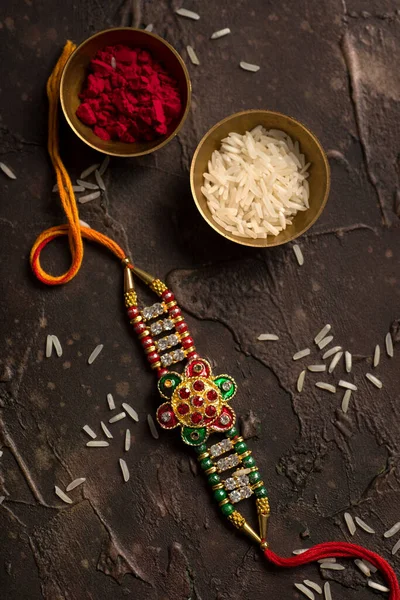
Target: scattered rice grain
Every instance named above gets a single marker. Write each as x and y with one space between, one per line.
326 560
131 412
299 551
89 197
389 345
300 381
396 547
334 362
75 483
2 498
347 385
299 254
350 523
149 27
152 427
301 354
378 586
377 355
98 444
117 417
7 171
57 345
320 336
88 171
327 340
189 14
327 591
346 401
78 188
331 352
100 181
249 66
348 359
49 345
127 440
124 469
364 525
267 337
87 185
392 531
326 386
104 165
89 431
106 430
302 588
192 55
95 354
377 382
313 585
62 495
363 567
110 401
370 566
220 33
1 453
331 566
84 224
316 368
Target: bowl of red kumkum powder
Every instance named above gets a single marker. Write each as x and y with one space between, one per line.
125 92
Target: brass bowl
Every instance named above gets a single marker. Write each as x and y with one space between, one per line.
319 178
75 72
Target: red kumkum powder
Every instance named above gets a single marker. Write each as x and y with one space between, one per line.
135 101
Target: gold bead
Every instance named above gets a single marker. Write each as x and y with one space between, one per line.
217 486
224 501
239 439
191 349
245 454
263 506
171 304
130 298
264 545
143 334
210 471
203 455
177 319
156 365
126 260
149 349
137 319
257 485
237 519
158 287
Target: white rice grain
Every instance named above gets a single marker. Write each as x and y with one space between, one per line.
131 412
104 165
378 586
299 255
110 401
57 345
329 566
299 551
84 224
396 547
346 401
106 430
220 33
95 354
117 417
327 560
1 453
364 525
62 495
2 498
374 380
301 354
192 55
363 567
88 171
389 345
392 531
300 381
316 368
97 444
189 14
334 362
89 431
75 483
249 66
152 427
89 197
7 171
326 386
331 352
313 585
124 469
327 340
49 345
149 27
348 359
304 590
267 337
377 356
127 440
320 336
347 385
87 185
327 591
100 181
370 566
350 523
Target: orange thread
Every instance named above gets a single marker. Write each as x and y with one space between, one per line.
74 230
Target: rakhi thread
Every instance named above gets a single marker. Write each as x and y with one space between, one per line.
75 232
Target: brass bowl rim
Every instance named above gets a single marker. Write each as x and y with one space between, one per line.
187 79
250 242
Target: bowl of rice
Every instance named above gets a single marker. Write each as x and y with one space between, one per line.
260 178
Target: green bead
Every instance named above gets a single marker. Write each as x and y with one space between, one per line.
200 449
206 463
227 509
240 447
232 432
254 477
213 479
249 461
261 492
219 495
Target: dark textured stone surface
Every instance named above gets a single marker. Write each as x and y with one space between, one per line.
333 65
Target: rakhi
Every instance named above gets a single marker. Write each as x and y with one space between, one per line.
194 399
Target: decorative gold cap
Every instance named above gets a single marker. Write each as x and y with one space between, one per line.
146 277
128 280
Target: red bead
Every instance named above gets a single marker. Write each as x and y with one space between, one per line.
192 354
146 341
167 296
133 312
212 395
139 327
197 401
166 416
197 418
210 411
162 371
175 311
183 409
184 393
187 342
181 327
198 385
153 357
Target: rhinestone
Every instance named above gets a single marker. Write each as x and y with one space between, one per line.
230 483
198 385
156 328
245 492
221 447
157 309
197 418
235 496
166 417
197 401
166 360
168 324
197 368
184 393
210 411
212 395
162 344
178 355
224 419
242 480
172 340
226 386
183 409
227 463
148 312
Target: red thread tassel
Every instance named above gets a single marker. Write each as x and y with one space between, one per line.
340 550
